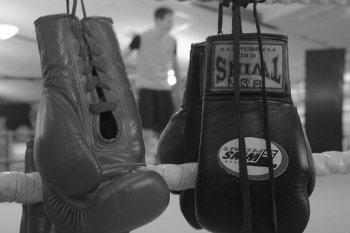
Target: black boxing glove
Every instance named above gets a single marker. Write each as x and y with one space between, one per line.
179 142
219 204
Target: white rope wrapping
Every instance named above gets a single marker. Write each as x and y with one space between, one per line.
178 177
332 162
27 187
20 187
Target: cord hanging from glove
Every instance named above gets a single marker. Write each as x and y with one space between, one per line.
74 8
237 31
266 124
220 18
243 170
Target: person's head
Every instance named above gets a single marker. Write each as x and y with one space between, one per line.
164 18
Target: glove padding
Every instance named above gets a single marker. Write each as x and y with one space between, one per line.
120 205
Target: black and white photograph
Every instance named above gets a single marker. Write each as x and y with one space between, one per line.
174 116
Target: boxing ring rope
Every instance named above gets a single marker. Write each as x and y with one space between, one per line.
26 187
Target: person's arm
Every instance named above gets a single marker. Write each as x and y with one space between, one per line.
20 187
135 44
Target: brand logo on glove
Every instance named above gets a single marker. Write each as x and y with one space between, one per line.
256 157
250 67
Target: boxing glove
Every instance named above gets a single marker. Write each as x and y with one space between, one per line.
88 143
174 147
179 142
219 200
192 126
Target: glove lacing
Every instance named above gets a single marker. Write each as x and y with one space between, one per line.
91 67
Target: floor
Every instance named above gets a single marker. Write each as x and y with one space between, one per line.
330 206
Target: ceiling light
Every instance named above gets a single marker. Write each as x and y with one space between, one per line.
7 31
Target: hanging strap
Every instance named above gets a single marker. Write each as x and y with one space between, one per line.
74 8
226 3
220 19
67 5
266 125
244 181
83 8
243 171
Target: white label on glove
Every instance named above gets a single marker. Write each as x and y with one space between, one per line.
256 157
250 68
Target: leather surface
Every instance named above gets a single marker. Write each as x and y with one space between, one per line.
88 143
67 135
219 205
179 142
129 201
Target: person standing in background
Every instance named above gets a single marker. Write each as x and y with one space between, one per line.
156 55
